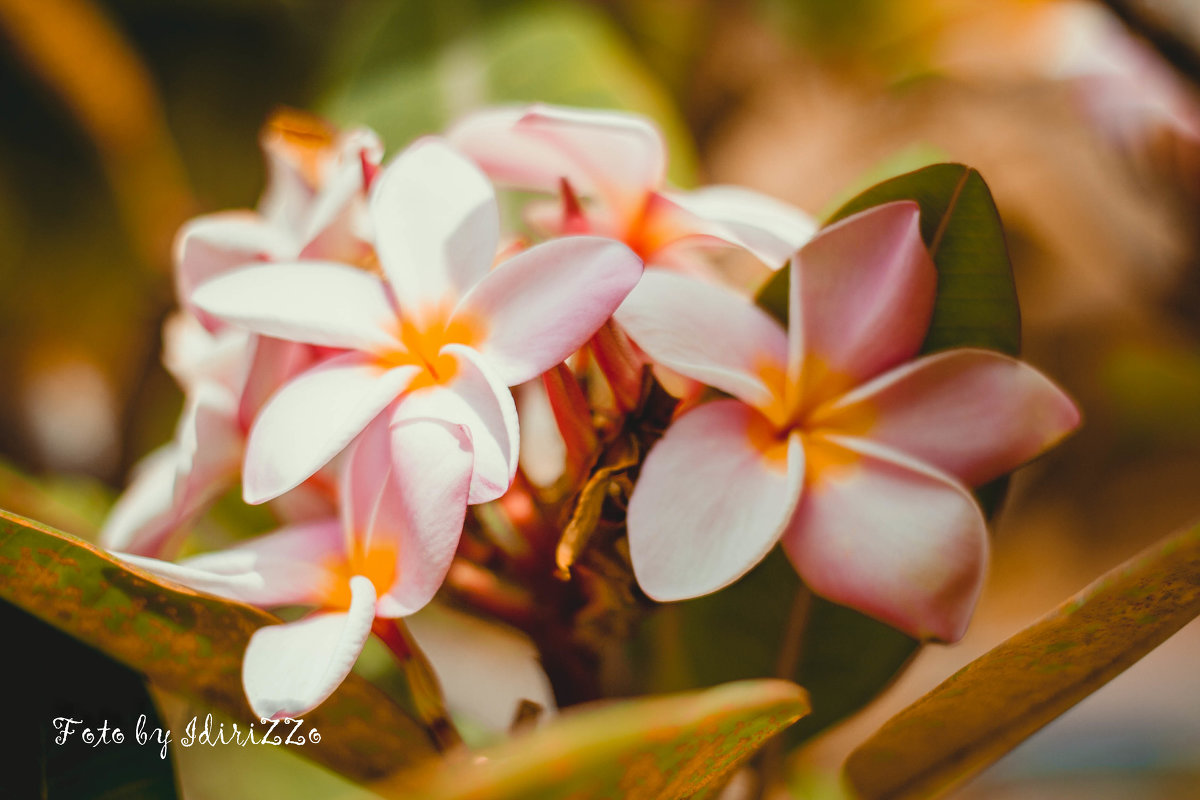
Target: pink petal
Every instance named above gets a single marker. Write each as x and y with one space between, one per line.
436 225
317 302
289 567
889 537
766 227
541 305
423 509
864 290
707 333
479 401
713 497
616 155
212 245
291 669
974 414
312 418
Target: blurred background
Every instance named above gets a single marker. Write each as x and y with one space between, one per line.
120 119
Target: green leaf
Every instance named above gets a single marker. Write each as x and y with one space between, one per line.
1003 697
471 54
977 300
53 677
188 643
844 660
649 749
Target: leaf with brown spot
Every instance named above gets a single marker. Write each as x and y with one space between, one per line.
188 643
1003 697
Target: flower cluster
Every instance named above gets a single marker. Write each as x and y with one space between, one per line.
348 351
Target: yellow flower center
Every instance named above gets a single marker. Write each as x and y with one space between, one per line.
423 340
377 564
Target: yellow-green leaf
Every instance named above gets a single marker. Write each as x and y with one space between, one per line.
1003 697
188 643
659 748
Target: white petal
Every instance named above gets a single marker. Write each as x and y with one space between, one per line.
436 225
291 669
708 333
317 302
288 567
144 516
424 510
485 669
480 402
713 497
770 229
212 245
312 418
541 305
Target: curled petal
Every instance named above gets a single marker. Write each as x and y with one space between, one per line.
210 445
863 290
312 418
288 567
890 537
424 511
616 155
975 414
714 495
709 334
316 302
291 669
479 401
436 225
541 305
767 228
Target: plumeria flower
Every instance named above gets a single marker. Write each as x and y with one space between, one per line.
384 558
226 377
837 437
618 161
445 333
314 206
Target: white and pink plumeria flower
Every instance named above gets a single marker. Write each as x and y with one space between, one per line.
314 203
314 206
226 376
838 439
384 558
617 161
442 332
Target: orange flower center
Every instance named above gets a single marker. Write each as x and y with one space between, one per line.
377 564
423 340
